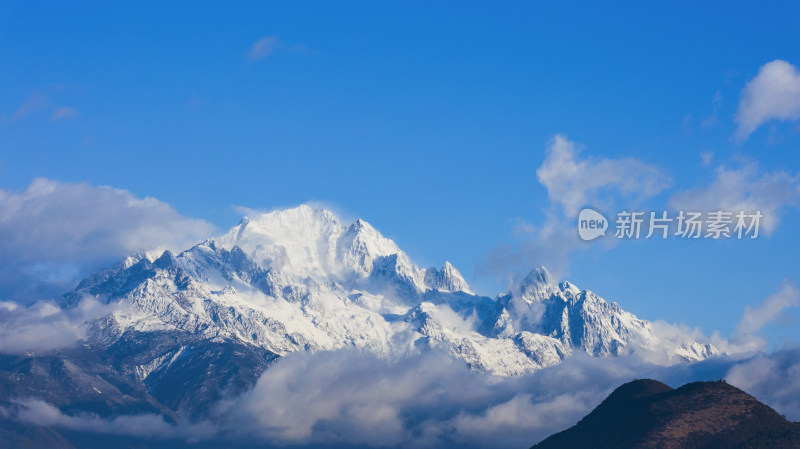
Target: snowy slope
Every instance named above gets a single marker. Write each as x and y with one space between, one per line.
299 279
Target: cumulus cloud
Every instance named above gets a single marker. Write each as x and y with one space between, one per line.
53 231
347 398
773 94
755 318
354 399
744 188
44 326
574 182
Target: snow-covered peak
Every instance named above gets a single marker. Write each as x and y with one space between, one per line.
302 226
537 286
358 247
539 275
299 241
150 255
569 288
448 279
311 242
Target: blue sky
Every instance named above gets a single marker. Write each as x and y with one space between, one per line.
430 121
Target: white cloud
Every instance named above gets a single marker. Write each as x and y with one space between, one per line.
743 343
573 182
44 326
348 398
263 47
755 318
771 378
40 413
520 421
745 188
353 399
773 94
53 231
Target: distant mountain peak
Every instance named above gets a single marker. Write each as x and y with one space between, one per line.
541 275
537 286
447 279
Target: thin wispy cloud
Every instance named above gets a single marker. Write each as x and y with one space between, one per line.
744 188
39 103
264 47
713 119
706 157
64 113
36 102
270 45
774 94
770 309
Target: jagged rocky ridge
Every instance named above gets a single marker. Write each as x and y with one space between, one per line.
299 279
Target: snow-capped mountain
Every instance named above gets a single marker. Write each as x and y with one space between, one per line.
300 279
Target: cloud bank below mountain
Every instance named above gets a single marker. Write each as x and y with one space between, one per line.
356 399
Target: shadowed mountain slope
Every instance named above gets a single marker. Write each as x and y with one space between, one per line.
700 415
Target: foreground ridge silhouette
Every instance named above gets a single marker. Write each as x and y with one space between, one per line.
699 415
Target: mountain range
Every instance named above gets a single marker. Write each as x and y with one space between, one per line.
299 279
187 330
